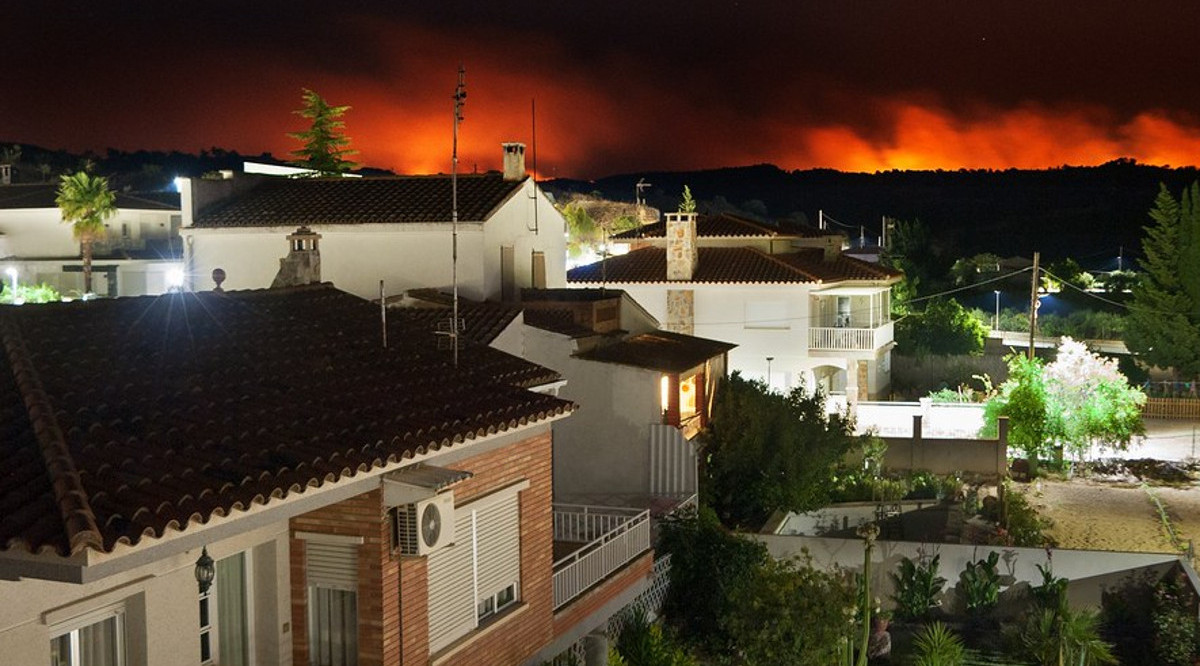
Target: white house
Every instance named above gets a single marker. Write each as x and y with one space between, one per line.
140 254
356 503
398 230
794 305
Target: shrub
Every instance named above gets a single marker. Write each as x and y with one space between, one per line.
1023 525
979 584
1175 625
918 587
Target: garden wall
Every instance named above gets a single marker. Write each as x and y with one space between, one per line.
986 457
938 419
1090 571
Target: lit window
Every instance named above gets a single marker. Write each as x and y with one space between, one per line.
687 397
665 390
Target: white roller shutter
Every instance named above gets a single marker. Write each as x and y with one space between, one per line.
332 565
452 587
498 535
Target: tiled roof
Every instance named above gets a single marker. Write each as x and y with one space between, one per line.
557 320
663 351
41 195
727 225
732 265
482 322
122 419
294 201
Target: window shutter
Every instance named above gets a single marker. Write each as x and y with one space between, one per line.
498 536
332 565
452 587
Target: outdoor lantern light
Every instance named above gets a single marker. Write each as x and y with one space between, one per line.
205 570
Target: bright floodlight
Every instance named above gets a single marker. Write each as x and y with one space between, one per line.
175 278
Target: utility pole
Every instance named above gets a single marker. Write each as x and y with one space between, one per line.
1033 302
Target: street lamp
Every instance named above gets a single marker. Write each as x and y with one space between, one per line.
769 359
996 326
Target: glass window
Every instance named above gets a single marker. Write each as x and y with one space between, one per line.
332 627
99 643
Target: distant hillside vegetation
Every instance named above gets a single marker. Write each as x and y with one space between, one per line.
1082 212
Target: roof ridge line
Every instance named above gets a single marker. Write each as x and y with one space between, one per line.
794 269
76 512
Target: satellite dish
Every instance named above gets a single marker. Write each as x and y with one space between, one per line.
431 524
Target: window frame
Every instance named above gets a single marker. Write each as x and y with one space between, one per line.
71 628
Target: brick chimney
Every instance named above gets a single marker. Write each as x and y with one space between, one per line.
514 161
682 256
302 265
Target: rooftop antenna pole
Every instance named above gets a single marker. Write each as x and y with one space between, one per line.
383 313
533 117
460 94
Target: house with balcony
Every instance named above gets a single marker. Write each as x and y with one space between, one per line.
798 309
275 477
140 253
395 230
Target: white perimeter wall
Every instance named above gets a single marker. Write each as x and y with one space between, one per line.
40 232
161 604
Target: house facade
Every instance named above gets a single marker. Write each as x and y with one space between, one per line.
396 230
351 501
140 253
798 309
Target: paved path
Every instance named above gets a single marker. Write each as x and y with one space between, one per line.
1167 439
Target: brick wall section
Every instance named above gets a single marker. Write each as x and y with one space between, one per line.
362 516
393 590
524 634
576 611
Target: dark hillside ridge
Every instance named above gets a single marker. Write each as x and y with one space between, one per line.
1087 213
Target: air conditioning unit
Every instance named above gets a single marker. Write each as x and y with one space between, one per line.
425 526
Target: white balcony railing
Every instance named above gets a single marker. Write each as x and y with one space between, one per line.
612 537
849 339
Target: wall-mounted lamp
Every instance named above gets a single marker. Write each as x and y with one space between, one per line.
206 570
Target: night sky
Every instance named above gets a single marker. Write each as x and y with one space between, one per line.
620 86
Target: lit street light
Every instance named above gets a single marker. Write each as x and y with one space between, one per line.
996 325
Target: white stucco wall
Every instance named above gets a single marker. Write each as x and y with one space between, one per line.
604 447
161 604
406 256
33 233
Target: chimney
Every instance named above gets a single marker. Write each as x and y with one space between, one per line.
833 247
302 265
514 161
682 256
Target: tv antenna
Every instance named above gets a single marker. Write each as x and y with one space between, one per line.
639 191
452 328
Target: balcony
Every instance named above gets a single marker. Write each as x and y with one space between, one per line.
849 339
591 543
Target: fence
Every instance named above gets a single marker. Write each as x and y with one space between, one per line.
1172 408
613 537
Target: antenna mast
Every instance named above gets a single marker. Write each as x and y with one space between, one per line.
455 325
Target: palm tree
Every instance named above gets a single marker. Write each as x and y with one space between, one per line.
86 202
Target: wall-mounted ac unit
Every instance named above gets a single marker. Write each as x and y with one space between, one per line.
425 525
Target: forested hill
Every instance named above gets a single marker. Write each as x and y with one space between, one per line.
1082 212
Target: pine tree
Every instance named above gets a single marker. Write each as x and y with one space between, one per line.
325 141
1163 327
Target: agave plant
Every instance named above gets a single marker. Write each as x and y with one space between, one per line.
937 645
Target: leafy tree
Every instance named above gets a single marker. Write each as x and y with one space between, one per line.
944 328
708 565
1090 401
789 612
86 201
766 451
967 271
590 221
325 141
643 643
1023 400
1164 315
1079 400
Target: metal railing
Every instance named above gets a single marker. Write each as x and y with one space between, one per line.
850 339
612 537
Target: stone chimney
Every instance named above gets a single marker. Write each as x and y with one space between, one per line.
514 161
833 247
302 265
682 256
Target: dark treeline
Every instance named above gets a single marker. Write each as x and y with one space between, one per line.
1082 212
